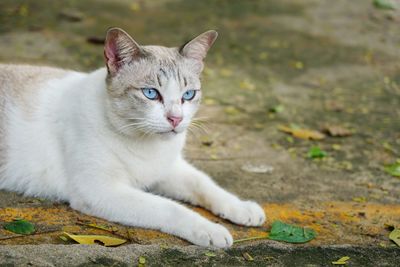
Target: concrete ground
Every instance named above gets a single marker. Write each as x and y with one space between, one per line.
315 64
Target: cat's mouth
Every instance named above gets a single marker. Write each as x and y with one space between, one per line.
170 132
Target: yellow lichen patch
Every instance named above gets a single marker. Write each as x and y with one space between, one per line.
334 222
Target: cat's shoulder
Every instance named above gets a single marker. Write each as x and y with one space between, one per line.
29 73
21 83
18 79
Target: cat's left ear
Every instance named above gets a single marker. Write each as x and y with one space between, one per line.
120 49
198 47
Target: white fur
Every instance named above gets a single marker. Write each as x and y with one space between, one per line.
61 138
66 150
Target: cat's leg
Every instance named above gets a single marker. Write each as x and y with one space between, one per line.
191 185
121 203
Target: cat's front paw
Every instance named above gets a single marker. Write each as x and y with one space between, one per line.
208 234
246 213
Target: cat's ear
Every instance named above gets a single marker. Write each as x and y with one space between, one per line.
120 49
198 47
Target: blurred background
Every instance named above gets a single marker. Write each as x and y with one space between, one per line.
328 66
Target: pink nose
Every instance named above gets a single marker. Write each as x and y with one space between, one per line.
174 120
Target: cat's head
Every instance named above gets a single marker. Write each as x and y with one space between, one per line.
153 90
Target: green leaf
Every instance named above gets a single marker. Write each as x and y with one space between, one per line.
277 109
383 4
290 233
210 254
142 260
63 238
20 226
316 152
393 169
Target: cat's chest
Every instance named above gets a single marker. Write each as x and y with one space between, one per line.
148 164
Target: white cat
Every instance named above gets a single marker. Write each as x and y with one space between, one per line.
110 142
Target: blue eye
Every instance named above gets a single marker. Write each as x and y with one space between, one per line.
189 95
151 93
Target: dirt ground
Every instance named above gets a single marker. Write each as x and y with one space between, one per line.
307 64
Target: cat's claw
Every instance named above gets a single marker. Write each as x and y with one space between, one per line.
211 235
246 213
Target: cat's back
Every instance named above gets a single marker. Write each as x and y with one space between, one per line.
28 145
20 82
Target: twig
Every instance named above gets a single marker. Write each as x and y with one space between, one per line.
37 233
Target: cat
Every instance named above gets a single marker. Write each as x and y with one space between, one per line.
110 142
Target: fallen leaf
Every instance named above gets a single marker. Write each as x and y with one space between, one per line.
247 85
23 10
210 254
395 236
277 109
135 7
383 4
336 147
142 260
316 152
20 226
360 199
206 140
263 55
346 165
232 111
393 169
341 261
336 131
209 101
299 65
226 72
290 233
63 238
302 133
107 241
247 256
214 156
261 168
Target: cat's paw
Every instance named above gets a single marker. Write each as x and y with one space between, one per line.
246 213
209 234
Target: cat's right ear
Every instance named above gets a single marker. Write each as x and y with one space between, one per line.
120 49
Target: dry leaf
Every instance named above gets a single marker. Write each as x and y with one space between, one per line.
302 133
395 236
336 130
360 199
247 85
232 111
247 256
341 261
107 241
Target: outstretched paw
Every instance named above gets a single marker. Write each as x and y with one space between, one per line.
246 213
209 234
